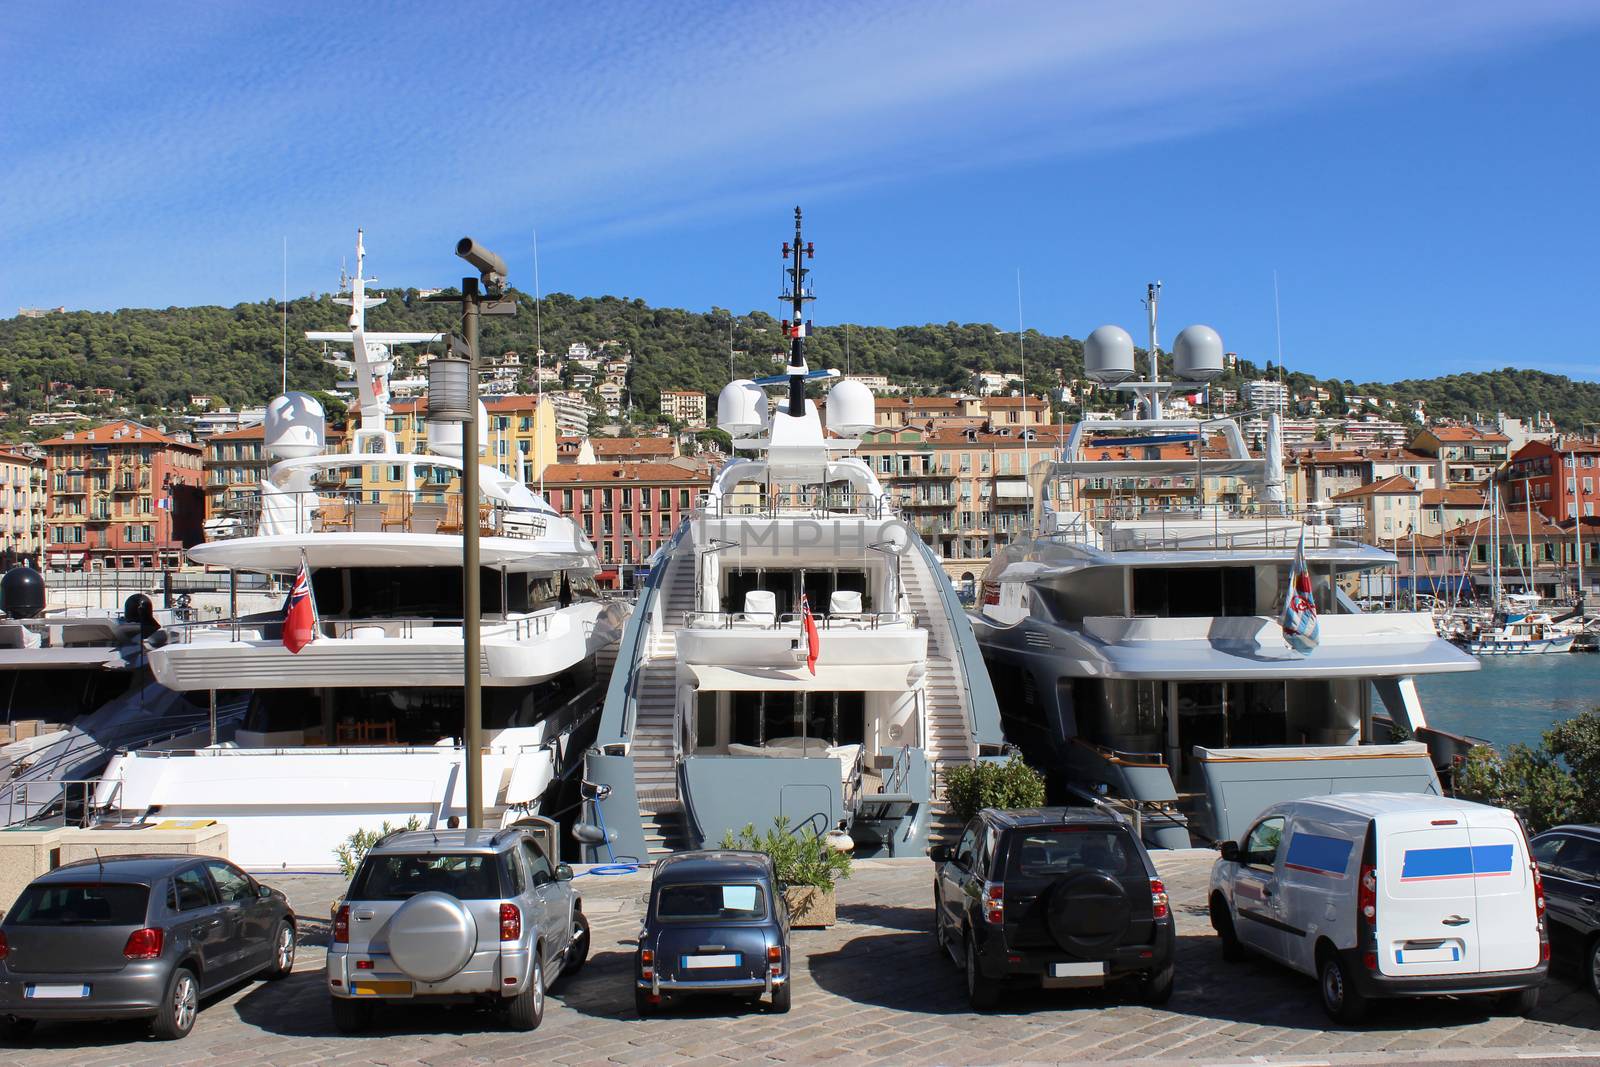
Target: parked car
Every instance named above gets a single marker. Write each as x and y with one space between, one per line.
716 923
457 916
1569 860
137 937
1387 895
1055 897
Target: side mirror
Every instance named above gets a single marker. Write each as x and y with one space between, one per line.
939 853
263 891
1229 851
563 873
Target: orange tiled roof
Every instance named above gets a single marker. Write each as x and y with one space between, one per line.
106 434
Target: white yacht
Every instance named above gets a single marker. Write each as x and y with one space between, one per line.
1134 636
726 708
363 724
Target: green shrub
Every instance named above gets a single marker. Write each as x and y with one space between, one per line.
802 857
971 787
356 846
1526 780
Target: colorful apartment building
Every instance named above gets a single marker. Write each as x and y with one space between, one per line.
235 463
24 498
123 496
1562 477
628 510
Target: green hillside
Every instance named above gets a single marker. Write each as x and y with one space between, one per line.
156 359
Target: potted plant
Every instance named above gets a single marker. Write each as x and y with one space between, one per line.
971 787
807 864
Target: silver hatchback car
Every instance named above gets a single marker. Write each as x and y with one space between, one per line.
457 916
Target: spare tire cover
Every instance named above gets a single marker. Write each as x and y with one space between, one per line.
432 936
1088 912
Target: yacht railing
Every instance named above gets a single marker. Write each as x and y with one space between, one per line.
811 505
344 506
1231 527
233 630
67 794
740 620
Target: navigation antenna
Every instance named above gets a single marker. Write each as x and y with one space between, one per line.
797 295
1153 401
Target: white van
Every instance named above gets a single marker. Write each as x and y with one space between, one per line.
1387 895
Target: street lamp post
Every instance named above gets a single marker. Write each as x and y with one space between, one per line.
456 400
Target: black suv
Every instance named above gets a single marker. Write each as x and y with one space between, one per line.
1062 897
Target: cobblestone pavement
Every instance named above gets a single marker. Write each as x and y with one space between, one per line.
870 990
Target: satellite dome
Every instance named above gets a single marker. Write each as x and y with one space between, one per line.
1108 355
742 408
22 592
1197 354
851 409
295 426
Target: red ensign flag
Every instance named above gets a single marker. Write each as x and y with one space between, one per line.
813 641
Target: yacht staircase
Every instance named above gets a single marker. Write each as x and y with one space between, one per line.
948 714
655 768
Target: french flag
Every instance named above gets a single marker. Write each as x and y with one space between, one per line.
299 612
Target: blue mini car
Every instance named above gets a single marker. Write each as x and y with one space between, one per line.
716 923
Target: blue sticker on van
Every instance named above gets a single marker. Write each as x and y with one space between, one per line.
1327 856
1462 861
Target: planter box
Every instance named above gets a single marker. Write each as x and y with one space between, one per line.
810 907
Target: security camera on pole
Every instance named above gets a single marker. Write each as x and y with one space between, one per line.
453 397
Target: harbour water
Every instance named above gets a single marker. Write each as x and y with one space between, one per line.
1513 698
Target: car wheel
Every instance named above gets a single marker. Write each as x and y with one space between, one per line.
782 996
1594 967
1156 987
282 952
351 1016
1222 923
982 993
1521 1003
641 1002
525 1011
939 939
13 1029
578 947
1343 1002
179 1007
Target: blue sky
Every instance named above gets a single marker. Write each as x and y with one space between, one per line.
1420 176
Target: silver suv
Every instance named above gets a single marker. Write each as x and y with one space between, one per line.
453 916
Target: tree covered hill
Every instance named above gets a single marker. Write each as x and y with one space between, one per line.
156 359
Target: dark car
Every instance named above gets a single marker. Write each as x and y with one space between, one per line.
1057 898
137 937
1569 862
716 923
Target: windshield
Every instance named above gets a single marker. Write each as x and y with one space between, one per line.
465 876
721 901
78 905
1047 853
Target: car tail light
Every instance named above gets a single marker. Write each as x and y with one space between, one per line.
510 922
1159 904
145 944
775 959
1538 898
1367 895
647 963
341 925
994 903
5 949
363 965
1369 960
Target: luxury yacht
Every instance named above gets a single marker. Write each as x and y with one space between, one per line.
1134 637
363 724
795 651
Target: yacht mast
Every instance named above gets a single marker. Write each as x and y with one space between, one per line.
797 295
1154 399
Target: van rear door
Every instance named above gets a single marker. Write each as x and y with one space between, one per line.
1427 903
1508 928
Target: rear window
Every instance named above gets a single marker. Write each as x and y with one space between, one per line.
1046 853
465 876
81 905
725 901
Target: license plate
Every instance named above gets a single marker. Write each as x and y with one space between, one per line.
57 992
381 989
1077 970
706 963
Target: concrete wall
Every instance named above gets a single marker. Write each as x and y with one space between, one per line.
26 854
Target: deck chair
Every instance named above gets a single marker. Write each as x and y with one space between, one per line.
337 515
451 523
760 608
844 608
398 513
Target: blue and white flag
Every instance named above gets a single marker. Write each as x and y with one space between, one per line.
1299 620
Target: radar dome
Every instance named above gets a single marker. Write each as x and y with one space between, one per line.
1108 355
444 438
851 409
295 427
742 408
22 592
1197 354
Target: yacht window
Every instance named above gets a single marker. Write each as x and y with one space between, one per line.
1193 592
